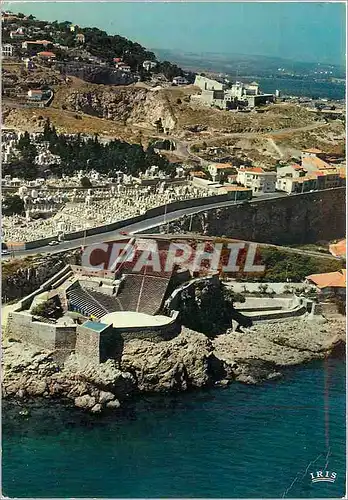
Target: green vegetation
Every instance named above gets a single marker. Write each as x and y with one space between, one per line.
12 204
85 182
208 307
79 153
10 267
51 309
282 266
100 45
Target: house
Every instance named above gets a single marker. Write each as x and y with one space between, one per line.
306 184
125 68
7 50
257 179
32 44
330 284
197 173
149 65
339 249
236 193
219 170
35 95
46 55
312 153
232 178
80 38
120 65
293 171
312 163
287 184
15 35
73 27
205 83
180 80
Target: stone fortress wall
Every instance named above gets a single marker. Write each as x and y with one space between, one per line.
90 344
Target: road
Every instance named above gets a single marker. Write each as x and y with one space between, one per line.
184 147
137 227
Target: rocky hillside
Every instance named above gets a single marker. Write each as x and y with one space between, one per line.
120 104
143 106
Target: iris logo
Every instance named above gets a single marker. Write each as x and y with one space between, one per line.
323 476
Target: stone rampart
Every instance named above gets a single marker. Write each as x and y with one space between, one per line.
21 326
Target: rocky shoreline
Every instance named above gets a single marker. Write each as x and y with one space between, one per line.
189 361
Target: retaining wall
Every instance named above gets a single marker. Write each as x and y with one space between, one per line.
297 219
21 326
153 212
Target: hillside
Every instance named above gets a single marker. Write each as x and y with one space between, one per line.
90 44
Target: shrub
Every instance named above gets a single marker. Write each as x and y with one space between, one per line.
51 309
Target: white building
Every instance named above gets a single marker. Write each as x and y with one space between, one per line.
47 158
180 80
257 179
7 50
218 170
292 171
149 65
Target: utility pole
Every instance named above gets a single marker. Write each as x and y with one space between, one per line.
165 214
190 227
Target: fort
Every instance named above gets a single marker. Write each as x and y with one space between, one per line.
94 313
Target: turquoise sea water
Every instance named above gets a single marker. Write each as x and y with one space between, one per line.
243 441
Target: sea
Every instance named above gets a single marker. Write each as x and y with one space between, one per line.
303 88
242 441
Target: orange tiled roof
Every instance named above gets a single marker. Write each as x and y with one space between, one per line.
312 150
46 54
256 170
317 162
235 188
336 279
197 173
338 249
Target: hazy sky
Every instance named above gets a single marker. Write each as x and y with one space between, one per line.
313 32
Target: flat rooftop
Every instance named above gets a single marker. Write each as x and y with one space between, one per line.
128 319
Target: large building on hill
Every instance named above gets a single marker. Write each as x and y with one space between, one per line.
220 94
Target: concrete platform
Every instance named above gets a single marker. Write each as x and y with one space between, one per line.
127 319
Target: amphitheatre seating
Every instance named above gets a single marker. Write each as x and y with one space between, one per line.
112 303
143 293
139 293
82 301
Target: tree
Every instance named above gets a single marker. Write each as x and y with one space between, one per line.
12 204
85 182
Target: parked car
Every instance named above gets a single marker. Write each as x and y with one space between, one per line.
5 252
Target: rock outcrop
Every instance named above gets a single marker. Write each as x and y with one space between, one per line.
180 364
29 372
125 105
21 277
189 361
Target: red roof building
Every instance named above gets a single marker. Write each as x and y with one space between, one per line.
47 55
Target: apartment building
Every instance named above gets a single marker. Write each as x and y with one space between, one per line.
257 179
7 50
219 170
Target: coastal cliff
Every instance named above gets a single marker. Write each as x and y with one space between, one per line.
190 361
